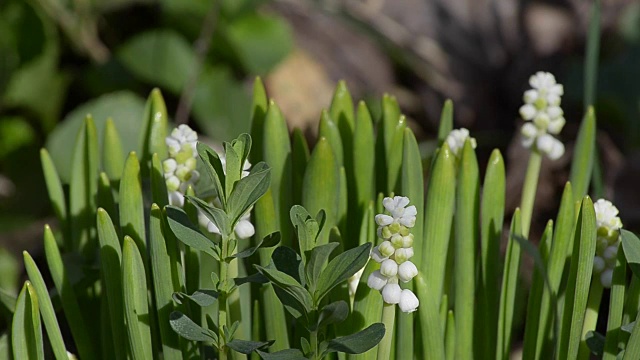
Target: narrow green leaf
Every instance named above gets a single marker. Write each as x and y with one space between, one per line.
631 247
450 335
288 354
247 191
446 121
136 308
329 130
277 153
46 308
68 298
616 307
132 203
413 187
105 194
259 107
592 55
341 111
343 208
213 213
632 351
508 292
582 164
54 186
359 342
363 158
247 347
492 219
299 159
466 238
158 184
577 290
186 232
320 186
202 297
110 266
341 268
163 252
316 261
270 240
112 152
394 156
83 187
155 122
26 329
214 169
290 285
367 308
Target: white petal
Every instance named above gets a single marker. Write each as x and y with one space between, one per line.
376 280
391 293
545 143
554 111
528 111
389 204
408 301
176 199
408 221
376 256
529 130
407 271
389 268
403 255
610 252
386 248
530 96
383 220
556 125
557 150
244 229
401 201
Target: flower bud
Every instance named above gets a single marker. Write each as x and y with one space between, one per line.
383 220
386 249
212 228
391 293
598 264
610 252
376 280
169 165
244 229
606 278
190 163
408 301
407 241
386 233
173 183
530 96
403 254
394 228
176 199
376 256
407 271
396 240
389 268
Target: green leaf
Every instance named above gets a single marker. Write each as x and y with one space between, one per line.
186 232
112 153
466 238
154 55
329 130
26 329
583 155
202 298
259 41
631 248
132 204
446 121
595 341
163 253
247 191
287 354
299 159
577 290
341 268
136 308
333 313
363 161
359 342
632 351
270 240
289 285
321 186
247 347
54 187
110 267
45 307
616 307
316 261
124 107
258 111
215 170
394 155
189 330
412 185
450 334
155 122
159 193
307 228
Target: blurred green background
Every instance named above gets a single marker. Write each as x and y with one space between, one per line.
62 59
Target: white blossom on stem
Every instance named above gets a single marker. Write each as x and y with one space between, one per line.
456 139
608 240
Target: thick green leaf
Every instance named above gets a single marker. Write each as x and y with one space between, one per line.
136 308
316 260
341 268
270 240
247 191
616 307
333 313
258 111
363 159
152 138
631 247
577 290
112 153
202 298
187 233
328 129
247 347
287 354
105 198
260 41
299 159
359 342
289 285
446 121
412 186
110 267
124 107
132 204
394 155
46 308
582 164
215 170
154 55
26 329
158 185
189 330
54 187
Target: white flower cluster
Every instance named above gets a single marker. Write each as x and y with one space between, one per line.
180 168
456 139
180 172
608 241
543 114
394 253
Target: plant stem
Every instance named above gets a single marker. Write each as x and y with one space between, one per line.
529 189
314 344
388 319
222 299
590 316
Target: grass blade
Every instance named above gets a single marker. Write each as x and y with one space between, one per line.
112 152
26 329
616 307
131 203
329 130
582 163
258 111
363 161
105 195
299 159
54 187
154 133
446 121
158 185
431 326
450 336
46 308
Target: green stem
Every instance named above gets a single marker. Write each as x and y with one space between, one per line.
590 316
529 189
388 319
314 344
222 299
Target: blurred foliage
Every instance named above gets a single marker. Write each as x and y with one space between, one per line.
60 60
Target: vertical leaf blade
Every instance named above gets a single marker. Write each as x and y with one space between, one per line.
583 155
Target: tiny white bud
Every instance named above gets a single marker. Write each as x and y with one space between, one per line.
376 280
557 150
545 143
407 271
530 96
542 121
383 220
528 112
376 256
396 240
391 293
169 165
408 301
386 249
606 278
407 241
598 264
389 268
556 125
244 229
173 183
403 254
554 111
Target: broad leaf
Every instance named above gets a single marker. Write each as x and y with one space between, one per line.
359 342
334 313
247 191
289 285
288 261
341 268
202 297
316 260
214 214
186 232
288 354
189 330
631 247
247 347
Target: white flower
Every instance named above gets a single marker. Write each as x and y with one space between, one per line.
606 278
376 256
598 264
456 140
403 254
389 268
391 293
376 280
407 271
400 212
408 301
551 146
244 228
386 249
607 215
176 198
181 136
383 220
608 241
